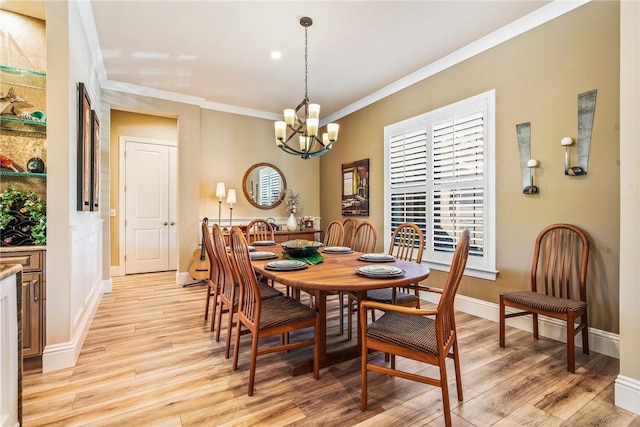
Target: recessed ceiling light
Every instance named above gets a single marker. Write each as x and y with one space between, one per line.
150 55
276 55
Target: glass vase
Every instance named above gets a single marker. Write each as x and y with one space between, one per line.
292 223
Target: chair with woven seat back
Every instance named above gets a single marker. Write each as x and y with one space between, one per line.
349 226
258 230
228 294
560 258
427 336
267 317
334 234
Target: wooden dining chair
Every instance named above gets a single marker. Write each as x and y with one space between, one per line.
334 234
365 240
427 336
213 282
259 229
349 226
560 258
228 294
407 243
267 317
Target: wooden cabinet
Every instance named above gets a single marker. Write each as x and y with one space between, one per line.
33 297
285 235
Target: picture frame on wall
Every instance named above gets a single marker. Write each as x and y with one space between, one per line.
355 188
85 150
95 161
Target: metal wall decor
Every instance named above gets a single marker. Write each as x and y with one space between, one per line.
527 164
586 113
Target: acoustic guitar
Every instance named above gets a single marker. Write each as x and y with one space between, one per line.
199 269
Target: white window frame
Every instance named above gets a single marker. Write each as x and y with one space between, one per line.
477 266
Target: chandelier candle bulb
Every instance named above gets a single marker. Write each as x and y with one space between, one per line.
289 118
314 111
332 130
281 130
325 139
312 126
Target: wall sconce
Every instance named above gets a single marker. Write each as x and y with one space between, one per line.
220 193
231 199
566 142
531 189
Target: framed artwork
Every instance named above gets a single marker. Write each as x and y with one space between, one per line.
355 188
95 161
85 151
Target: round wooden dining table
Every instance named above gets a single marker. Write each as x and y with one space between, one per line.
337 273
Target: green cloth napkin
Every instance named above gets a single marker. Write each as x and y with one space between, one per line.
311 260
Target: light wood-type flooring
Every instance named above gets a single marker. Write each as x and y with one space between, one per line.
150 360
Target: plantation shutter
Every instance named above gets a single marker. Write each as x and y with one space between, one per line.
458 179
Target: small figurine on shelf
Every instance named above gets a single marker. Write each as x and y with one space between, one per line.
11 104
7 163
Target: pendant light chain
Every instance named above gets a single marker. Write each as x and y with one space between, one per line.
306 62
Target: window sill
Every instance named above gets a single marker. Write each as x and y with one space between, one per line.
469 271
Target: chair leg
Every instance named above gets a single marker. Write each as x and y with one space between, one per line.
363 361
206 306
219 316
446 407
571 336
585 333
316 350
229 328
341 304
456 364
252 364
236 346
350 312
502 320
534 316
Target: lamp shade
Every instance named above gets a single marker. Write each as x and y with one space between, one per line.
220 191
231 197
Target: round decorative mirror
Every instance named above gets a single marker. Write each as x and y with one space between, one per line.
263 186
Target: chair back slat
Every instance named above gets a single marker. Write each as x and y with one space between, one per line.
214 269
334 234
560 260
406 240
227 278
365 238
250 304
259 229
445 319
350 225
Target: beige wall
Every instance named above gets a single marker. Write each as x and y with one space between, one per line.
537 77
231 143
125 123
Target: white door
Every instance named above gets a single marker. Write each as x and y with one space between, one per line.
150 212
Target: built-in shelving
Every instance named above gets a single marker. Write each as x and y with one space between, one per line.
23 174
23 78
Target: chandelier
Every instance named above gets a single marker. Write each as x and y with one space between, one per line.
304 120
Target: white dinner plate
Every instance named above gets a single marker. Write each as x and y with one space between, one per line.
286 265
262 255
376 271
377 257
337 250
264 243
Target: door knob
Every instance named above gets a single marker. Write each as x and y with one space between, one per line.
165 223
173 223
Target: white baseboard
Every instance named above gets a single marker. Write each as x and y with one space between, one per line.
602 342
117 270
65 355
627 394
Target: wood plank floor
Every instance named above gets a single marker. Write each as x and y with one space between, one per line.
150 360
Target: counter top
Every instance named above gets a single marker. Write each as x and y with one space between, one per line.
9 270
21 248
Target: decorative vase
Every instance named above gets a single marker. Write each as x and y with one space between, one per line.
292 224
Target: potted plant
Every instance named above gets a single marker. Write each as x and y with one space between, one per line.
23 218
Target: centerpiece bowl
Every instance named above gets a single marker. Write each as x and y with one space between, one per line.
300 248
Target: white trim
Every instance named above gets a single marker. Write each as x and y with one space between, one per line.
627 394
65 355
602 342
